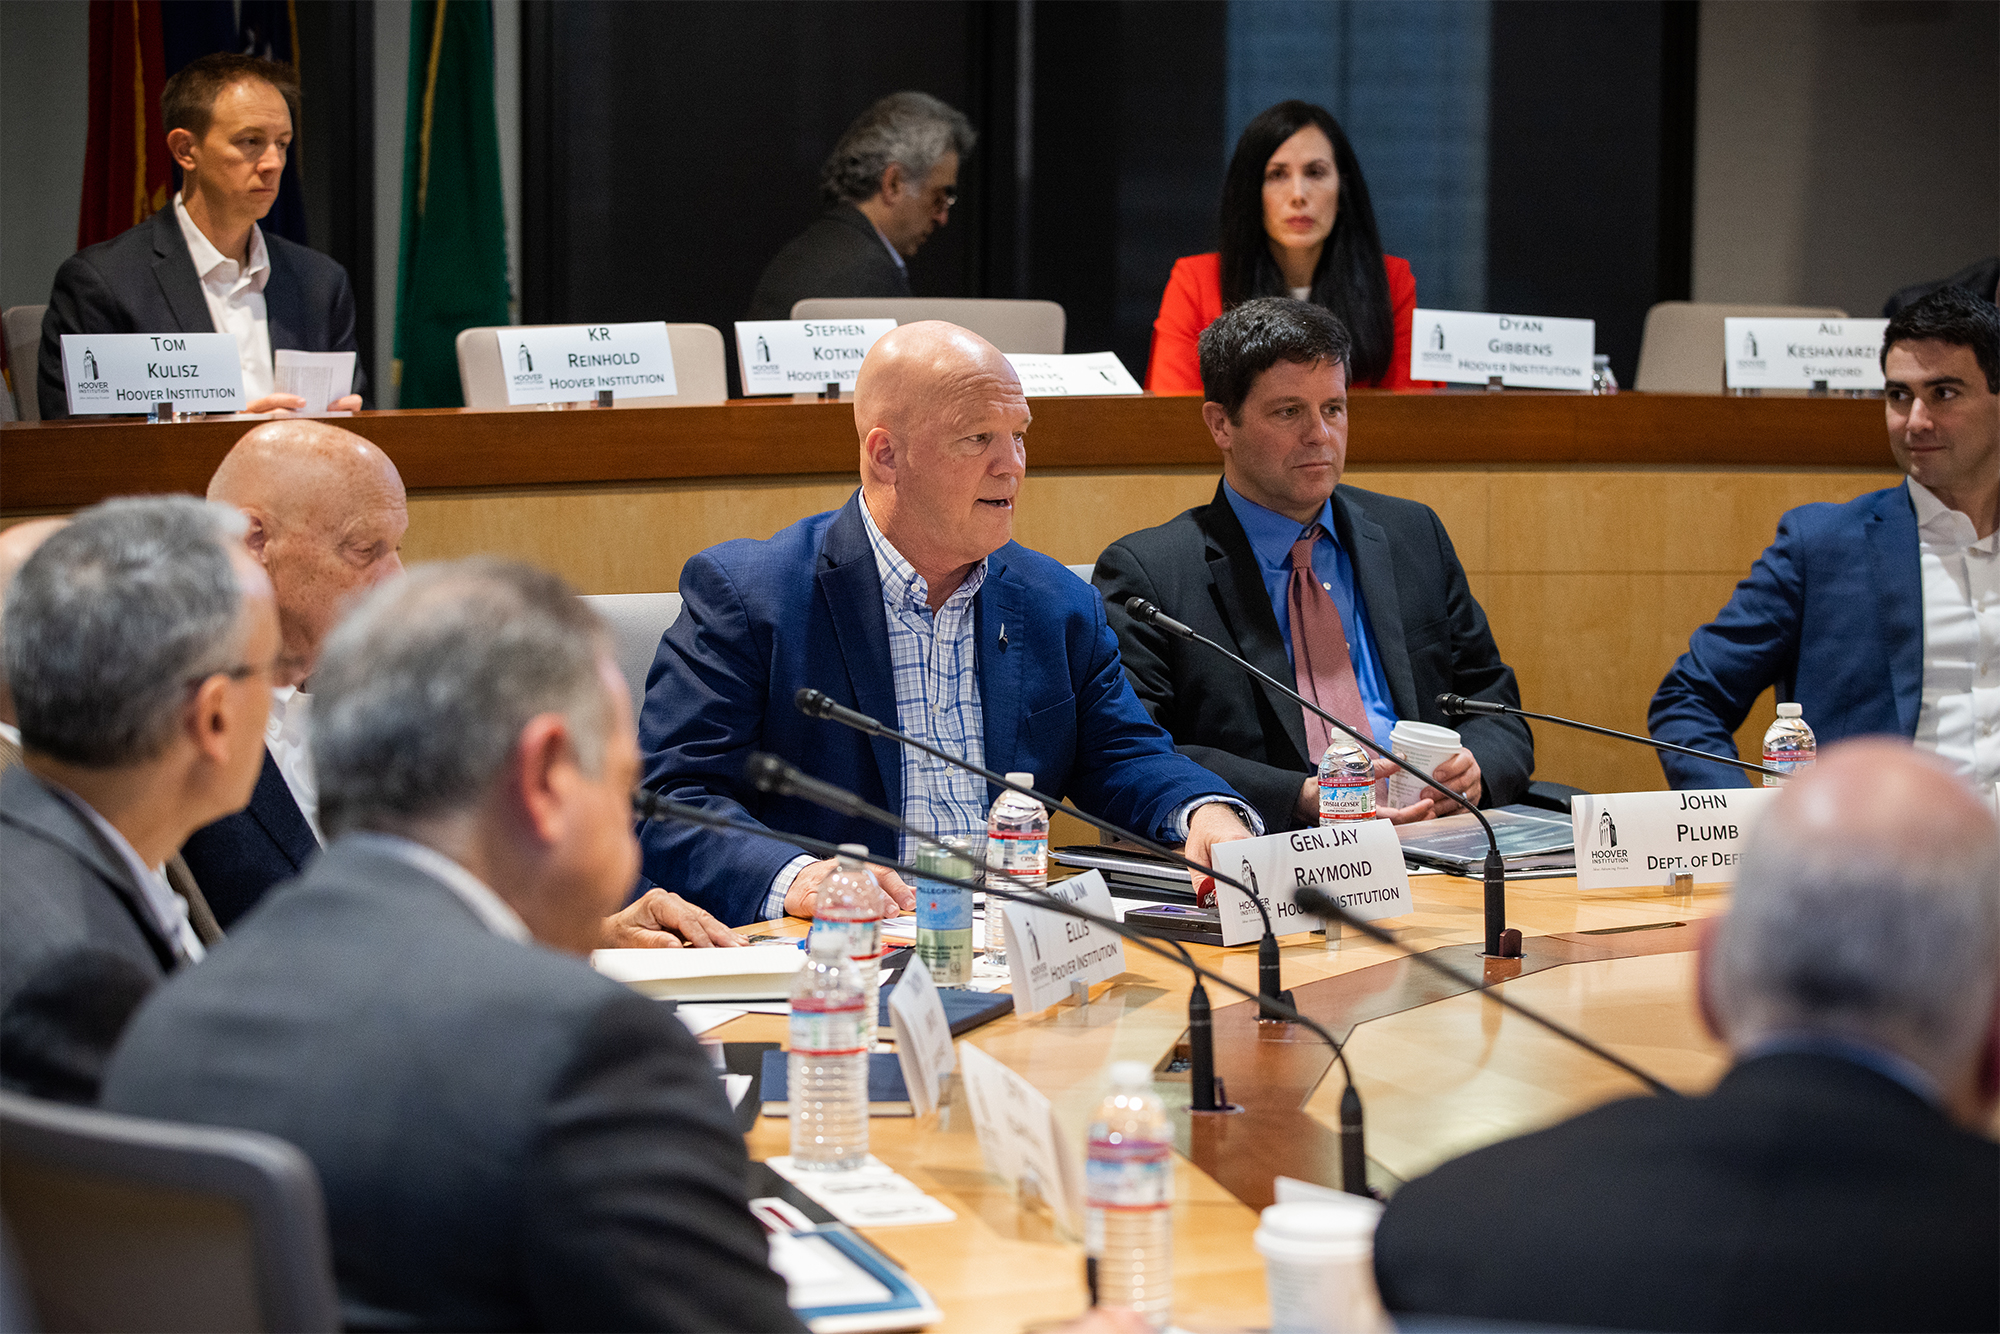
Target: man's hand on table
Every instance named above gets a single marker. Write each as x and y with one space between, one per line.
291 403
1459 772
804 891
1217 822
659 920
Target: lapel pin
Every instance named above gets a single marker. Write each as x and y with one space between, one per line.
1003 634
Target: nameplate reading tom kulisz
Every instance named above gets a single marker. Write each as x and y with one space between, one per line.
111 373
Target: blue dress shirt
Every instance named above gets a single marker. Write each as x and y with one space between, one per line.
1271 536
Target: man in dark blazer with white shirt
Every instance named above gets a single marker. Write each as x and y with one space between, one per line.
1275 376
505 1138
139 645
229 126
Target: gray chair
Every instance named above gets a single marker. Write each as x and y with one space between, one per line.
125 1223
699 376
637 621
1011 326
1681 351
23 331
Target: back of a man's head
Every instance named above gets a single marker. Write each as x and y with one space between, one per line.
1249 339
911 129
113 618
1867 906
425 688
1953 316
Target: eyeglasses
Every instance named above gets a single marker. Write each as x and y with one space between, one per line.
948 196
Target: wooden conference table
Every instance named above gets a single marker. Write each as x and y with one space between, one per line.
1438 1073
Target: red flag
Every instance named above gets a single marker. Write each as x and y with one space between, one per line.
126 170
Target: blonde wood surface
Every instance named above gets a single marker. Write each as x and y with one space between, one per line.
1437 1080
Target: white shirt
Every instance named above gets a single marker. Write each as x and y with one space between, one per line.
11 733
288 734
488 907
894 253
235 296
1960 717
170 910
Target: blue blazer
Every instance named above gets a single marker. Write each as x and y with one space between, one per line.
239 857
762 619
1832 614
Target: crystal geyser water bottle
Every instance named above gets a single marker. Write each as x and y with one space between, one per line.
851 905
1129 1191
1789 745
1346 783
826 1071
1017 848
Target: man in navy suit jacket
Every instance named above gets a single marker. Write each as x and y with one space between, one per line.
1857 612
995 651
229 127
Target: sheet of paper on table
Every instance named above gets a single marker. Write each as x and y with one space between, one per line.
317 377
872 1195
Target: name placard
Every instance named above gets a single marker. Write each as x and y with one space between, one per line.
1019 1136
923 1035
108 373
1046 951
1525 351
1795 354
1049 375
1647 838
1359 864
571 363
801 356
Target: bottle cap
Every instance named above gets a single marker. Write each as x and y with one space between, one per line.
1021 780
1126 1073
1790 711
853 852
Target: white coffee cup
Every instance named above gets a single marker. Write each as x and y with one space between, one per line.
1319 1266
1422 746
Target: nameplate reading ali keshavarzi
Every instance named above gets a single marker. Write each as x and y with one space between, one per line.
1357 863
573 363
1628 839
803 356
109 373
1524 351
1054 375
1801 354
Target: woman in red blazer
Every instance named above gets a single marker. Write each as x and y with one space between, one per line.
1295 222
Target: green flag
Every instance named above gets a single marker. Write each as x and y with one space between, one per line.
452 274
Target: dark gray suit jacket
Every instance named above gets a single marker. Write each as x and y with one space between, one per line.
78 947
1429 631
506 1139
240 857
142 281
839 255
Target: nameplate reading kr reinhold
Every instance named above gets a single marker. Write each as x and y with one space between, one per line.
1359 864
803 356
1049 375
1046 951
1798 354
1525 351
196 372
572 363
1627 839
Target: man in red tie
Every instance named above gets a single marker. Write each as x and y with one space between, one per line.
1356 597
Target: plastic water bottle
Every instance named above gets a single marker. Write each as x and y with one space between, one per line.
851 906
1017 848
944 913
1602 381
826 1071
1346 783
1789 746
1129 1191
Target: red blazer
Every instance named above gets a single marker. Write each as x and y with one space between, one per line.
1193 301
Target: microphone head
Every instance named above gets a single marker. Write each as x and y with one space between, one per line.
812 703
1453 705
766 772
1141 610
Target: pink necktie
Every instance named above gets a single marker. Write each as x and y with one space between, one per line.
1320 659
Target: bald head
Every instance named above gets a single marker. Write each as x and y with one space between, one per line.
16 545
327 515
1868 906
942 422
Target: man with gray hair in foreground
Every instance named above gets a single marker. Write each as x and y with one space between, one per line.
505 1139
1842 1174
140 640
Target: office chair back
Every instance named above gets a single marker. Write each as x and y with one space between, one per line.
1011 326
699 376
637 621
23 331
120 1222
1681 351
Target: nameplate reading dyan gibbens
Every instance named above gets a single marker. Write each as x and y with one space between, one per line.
1628 839
572 363
1357 863
803 356
1525 351
107 373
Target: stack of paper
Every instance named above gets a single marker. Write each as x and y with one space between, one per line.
754 972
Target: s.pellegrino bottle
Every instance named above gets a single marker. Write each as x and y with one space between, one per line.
1129 1195
826 1070
1789 745
944 913
1017 848
1346 783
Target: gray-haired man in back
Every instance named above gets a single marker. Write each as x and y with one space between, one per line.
140 641
506 1139
889 183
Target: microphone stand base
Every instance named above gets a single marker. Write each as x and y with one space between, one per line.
1510 945
1283 998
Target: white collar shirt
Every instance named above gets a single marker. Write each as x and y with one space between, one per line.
235 296
901 264
169 910
1960 717
491 910
288 735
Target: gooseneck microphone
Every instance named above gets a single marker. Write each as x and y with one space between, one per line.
650 805
817 704
1500 943
1458 706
